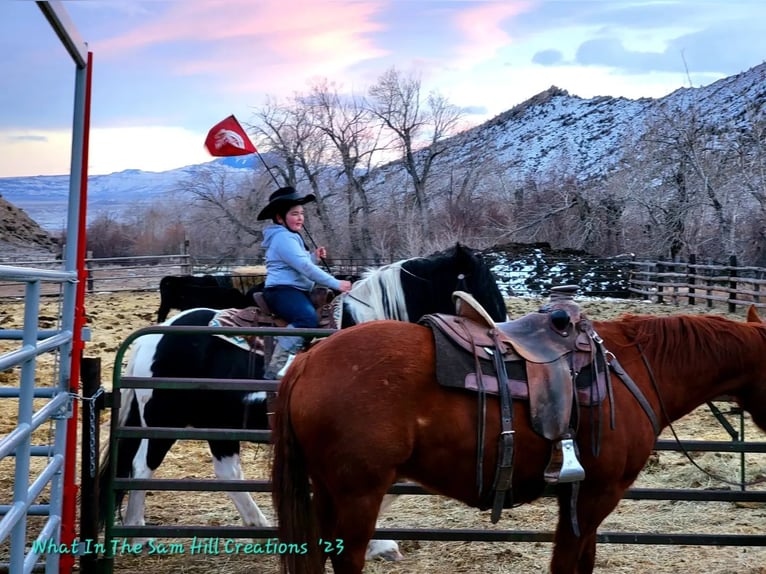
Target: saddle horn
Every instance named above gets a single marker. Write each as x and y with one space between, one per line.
560 319
563 308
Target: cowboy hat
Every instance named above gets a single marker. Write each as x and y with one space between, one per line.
282 198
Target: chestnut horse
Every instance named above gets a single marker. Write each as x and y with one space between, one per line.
363 409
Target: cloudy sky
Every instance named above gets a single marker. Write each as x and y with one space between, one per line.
166 71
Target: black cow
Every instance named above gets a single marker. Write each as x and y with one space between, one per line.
188 292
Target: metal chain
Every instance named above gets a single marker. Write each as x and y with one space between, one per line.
92 445
91 425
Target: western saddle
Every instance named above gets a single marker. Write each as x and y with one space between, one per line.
261 315
544 352
321 297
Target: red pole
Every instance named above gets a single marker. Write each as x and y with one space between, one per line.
69 502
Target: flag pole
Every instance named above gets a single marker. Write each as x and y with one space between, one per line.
308 234
268 169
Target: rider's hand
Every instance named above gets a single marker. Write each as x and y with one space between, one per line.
345 286
321 252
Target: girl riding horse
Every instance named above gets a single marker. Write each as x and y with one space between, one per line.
291 272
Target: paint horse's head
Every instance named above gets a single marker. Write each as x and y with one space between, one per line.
408 289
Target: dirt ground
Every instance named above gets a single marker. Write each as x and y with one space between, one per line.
113 316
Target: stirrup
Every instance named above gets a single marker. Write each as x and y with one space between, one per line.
288 362
564 466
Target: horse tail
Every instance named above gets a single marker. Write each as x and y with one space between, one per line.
291 492
128 448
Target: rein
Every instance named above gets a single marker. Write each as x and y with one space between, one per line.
357 299
461 284
712 475
411 274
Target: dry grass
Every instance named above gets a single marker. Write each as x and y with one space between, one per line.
113 317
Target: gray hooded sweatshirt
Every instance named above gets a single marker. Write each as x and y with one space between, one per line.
288 263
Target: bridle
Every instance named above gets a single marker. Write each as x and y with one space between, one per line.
460 285
741 485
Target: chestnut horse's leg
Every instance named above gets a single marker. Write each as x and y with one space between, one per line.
573 554
347 520
355 527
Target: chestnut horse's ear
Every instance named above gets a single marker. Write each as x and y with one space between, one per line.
752 315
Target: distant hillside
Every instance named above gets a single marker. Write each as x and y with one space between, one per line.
22 237
45 197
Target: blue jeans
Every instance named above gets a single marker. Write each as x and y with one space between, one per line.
295 307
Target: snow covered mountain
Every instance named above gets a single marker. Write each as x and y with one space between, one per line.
551 129
591 136
44 198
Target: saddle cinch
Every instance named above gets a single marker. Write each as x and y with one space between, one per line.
548 358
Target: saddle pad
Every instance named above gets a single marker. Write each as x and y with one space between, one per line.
233 318
456 368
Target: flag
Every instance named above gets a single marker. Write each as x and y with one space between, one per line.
228 138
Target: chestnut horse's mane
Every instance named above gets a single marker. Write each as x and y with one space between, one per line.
685 339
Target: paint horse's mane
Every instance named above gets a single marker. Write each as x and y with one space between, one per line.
378 295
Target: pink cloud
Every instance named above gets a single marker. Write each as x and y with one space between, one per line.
481 28
238 36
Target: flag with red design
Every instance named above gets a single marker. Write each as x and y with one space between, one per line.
228 138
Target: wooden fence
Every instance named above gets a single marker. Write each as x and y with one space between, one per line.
112 273
144 273
692 282
661 281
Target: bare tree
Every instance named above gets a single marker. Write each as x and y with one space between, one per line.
691 160
288 132
108 236
418 127
225 208
159 228
346 123
749 150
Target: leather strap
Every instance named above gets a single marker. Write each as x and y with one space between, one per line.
504 475
481 418
573 497
633 388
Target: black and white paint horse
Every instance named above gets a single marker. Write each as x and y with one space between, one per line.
405 290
